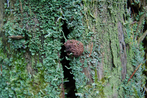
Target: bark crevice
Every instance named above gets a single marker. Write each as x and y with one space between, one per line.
69 82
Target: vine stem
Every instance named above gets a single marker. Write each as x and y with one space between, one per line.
134 72
62 85
1 70
64 36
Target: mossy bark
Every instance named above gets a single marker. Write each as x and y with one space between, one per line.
111 60
30 67
105 20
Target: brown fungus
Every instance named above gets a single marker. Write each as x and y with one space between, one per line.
75 47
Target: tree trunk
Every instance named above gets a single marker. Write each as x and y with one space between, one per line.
34 62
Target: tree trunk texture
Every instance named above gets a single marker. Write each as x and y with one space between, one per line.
34 62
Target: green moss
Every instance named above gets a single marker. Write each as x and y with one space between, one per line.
101 18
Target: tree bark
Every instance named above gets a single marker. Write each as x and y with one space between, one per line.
34 62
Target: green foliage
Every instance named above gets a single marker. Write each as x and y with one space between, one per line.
33 21
135 57
31 68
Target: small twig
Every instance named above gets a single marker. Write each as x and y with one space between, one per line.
91 49
134 72
16 37
134 22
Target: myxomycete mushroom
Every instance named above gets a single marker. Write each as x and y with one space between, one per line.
75 47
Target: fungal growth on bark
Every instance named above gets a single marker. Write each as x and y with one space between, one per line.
75 47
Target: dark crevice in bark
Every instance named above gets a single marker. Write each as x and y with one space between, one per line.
69 84
134 8
113 65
